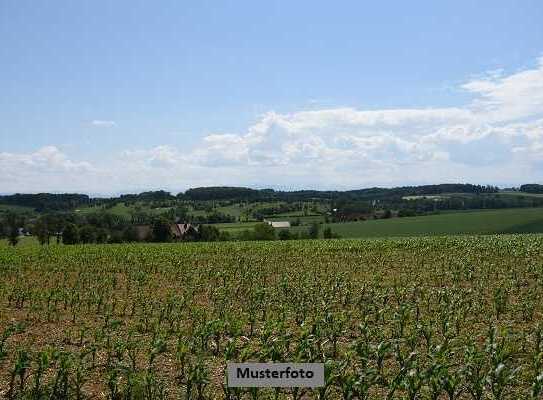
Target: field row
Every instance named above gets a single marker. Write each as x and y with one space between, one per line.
429 318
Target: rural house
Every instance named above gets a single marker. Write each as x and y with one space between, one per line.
179 231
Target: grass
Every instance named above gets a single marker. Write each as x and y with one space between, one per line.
235 227
15 209
519 220
24 241
121 209
304 220
523 194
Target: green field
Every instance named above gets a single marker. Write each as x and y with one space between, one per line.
519 220
524 194
235 227
411 318
120 209
23 241
15 209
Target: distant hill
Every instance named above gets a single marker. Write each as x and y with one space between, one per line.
47 201
70 201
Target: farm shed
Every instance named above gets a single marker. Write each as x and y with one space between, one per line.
279 224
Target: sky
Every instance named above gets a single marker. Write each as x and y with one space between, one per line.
108 97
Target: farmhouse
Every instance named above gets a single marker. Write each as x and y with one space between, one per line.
179 231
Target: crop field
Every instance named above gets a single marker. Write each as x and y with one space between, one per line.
517 220
412 318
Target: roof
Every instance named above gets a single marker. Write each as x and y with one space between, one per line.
279 224
179 230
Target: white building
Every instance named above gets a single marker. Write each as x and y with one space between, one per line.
279 224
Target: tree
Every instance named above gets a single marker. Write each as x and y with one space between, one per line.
182 213
101 235
314 230
41 230
329 234
208 233
284 234
130 234
56 226
224 236
161 230
87 234
115 237
245 235
13 222
70 235
264 231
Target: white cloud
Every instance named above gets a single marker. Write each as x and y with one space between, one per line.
504 98
497 137
43 170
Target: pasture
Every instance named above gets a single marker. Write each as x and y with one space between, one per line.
517 220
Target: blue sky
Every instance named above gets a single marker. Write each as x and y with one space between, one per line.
116 96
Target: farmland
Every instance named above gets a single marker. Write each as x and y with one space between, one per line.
430 318
516 220
525 220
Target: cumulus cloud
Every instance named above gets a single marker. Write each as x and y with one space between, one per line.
496 137
45 169
500 127
48 158
505 98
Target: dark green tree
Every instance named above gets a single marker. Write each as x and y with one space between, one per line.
13 222
284 234
115 237
41 230
208 233
130 234
264 231
101 235
70 234
161 230
329 234
87 234
314 230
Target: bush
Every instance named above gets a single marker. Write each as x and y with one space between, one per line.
284 234
264 231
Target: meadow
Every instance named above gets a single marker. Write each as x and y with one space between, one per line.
516 220
416 318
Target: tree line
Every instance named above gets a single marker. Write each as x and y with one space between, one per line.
42 202
103 227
